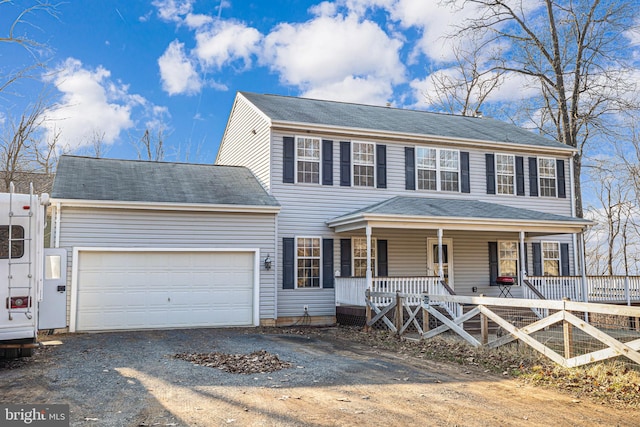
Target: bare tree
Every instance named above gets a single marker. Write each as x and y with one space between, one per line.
151 146
573 49
463 87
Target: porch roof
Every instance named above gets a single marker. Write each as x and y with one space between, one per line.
455 214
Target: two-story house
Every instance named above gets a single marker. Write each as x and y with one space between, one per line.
401 193
309 201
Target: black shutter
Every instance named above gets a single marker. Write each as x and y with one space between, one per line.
345 164
383 259
410 168
564 259
465 183
537 259
381 165
327 162
493 263
519 176
562 191
288 160
526 260
491 173
345 257
533 176
327 263
288 260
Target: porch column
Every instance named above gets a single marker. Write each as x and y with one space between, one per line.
368 274
523 260
583 269
440 267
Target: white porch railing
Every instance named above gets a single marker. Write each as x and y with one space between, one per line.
351 290
606 289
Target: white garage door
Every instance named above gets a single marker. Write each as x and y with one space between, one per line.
155 290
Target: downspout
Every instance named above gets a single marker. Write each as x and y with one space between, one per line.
275 270
57 226
523 258
573 214
368 275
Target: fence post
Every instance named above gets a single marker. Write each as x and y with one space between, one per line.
484 327
425 314
627 295
367 309
567 332
399 317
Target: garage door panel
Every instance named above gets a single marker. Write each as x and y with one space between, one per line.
157 289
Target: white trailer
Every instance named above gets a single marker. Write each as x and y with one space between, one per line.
22 274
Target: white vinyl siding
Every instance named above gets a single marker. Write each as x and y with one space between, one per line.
547 176
364 161
438 169
90 227
308 160
505 174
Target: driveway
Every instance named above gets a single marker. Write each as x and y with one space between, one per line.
131 379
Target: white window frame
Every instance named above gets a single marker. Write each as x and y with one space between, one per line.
439 169
297 239
374 256
555 177
543 258
354 164
516 259
308 160
499 174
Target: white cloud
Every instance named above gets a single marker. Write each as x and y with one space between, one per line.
93 104
316 55
196 20
173 10
226 42
178 72
360 90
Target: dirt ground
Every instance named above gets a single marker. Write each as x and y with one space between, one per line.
131 379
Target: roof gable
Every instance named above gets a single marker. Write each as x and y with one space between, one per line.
84 178
357 116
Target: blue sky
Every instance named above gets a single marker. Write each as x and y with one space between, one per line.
117 67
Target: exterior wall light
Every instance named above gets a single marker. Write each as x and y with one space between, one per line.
267 263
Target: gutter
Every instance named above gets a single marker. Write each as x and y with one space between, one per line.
163 206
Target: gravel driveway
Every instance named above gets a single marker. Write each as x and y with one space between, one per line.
131 379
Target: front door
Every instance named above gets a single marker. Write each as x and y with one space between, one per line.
433 262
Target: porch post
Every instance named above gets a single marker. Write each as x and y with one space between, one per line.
368 274
440 266
583 270
523 262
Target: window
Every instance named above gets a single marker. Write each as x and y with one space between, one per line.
364 164
17 246
547 177
308 159
550 259
438 169
505 173
359 245
308 262
508 259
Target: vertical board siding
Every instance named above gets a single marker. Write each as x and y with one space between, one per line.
161 229
240 146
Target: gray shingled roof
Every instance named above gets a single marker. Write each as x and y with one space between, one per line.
87 178
331 113
456 208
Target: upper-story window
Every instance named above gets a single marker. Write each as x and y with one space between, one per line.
438 169
364 161
308 159
547 176
505 173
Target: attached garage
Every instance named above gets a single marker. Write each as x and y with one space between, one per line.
155 289
155 245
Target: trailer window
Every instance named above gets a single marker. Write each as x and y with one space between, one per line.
17 246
